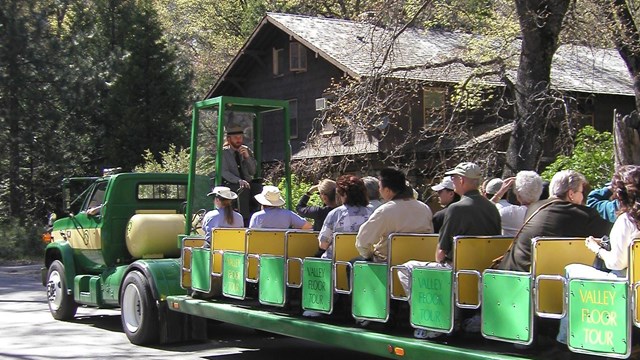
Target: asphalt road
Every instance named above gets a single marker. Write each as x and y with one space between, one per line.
28 332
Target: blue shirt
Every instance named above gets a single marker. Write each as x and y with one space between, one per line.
600 199
344 218
276 218
215 219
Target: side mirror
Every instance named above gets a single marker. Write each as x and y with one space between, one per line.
66 199
52 218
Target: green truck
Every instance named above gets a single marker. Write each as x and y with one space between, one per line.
122 253
120 246
135 244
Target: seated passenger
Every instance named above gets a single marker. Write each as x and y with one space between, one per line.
223 215
327 191
373 191
527 187
491 192
562 215
474 214
446 197
400 213
602 201
626 191
347 217
272 216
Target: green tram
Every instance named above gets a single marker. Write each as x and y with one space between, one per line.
265 279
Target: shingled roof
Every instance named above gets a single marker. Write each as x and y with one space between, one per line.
348 45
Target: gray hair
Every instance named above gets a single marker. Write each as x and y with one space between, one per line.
328 187
565 180
528 186
373 187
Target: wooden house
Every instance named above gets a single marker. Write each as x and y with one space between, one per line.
296 58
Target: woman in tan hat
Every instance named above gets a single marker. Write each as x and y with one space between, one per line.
272 215
223 215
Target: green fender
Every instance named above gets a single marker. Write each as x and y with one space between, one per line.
163 274
60 250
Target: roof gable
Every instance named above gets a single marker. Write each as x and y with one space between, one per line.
348 45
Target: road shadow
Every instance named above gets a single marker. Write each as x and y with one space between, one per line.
106 322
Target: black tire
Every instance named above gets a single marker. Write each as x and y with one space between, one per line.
139 312
61 304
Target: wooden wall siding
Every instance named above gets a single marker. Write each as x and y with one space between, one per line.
304 86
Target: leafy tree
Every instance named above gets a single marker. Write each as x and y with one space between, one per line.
592 156
174 160
29 113
148 99
298 188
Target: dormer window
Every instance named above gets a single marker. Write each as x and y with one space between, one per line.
297 57
278 59
433 100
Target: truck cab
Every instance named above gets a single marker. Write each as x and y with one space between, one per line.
124 223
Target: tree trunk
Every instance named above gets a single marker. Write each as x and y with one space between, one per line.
627 39
540 23
13 111
626 139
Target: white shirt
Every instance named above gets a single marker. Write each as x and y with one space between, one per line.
403 215
503 203
512 217
622 234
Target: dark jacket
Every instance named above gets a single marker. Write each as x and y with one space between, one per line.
473 215
559 219
438 220
317 213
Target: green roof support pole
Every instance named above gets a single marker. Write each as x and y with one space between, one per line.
287 154
191 185
220 140
257 137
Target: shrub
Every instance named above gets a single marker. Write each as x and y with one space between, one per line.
298 188
20 242
592 157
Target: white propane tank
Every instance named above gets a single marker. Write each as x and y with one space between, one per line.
154 235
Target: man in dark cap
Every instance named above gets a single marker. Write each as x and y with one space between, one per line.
238 168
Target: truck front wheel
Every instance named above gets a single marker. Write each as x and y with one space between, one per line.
61 303
139 311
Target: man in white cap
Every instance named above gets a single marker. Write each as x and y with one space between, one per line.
446 197
272 215
238 167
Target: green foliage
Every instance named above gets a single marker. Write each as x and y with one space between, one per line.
20 241
471 16
298 188
148 101
174 160
592 157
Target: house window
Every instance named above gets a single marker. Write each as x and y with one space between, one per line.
433 100
328 129
293 118
277 57
297 57
583 112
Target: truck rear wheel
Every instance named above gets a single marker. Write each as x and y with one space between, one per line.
61 303
139 313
